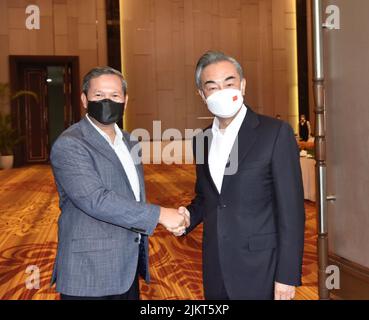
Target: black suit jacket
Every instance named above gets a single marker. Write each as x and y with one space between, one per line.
253 229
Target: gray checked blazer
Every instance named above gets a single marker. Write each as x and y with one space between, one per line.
100 221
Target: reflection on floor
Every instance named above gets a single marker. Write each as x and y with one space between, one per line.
28 236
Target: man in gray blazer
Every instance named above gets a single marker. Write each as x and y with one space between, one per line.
104 223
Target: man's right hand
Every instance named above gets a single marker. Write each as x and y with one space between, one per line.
171 218
181 230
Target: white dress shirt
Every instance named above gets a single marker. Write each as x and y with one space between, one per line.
124 156
221 146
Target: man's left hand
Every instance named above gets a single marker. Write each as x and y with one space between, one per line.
284 291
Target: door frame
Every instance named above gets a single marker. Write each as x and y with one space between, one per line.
15 63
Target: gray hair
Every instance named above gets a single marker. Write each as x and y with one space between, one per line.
212 57
99 71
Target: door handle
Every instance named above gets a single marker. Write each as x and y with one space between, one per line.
331 198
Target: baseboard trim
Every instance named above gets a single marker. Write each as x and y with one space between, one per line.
354 280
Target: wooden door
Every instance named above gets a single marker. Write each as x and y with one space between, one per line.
36 115
55 79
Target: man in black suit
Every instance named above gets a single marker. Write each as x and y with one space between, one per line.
249 192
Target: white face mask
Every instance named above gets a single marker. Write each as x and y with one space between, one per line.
225 103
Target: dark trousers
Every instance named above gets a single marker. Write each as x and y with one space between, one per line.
214 288
132 294
220 293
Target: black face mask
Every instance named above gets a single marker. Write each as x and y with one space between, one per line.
106 111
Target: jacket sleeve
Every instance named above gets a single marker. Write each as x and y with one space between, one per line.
196 207
75 174
290 207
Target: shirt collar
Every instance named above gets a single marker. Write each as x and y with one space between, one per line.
118 132
234 126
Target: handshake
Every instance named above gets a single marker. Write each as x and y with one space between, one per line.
175 220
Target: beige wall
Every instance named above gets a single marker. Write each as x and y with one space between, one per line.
68 27
163 40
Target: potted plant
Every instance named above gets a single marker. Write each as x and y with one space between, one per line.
9 136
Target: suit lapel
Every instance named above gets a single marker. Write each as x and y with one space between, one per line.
245 139
137 162
98 142
207 139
